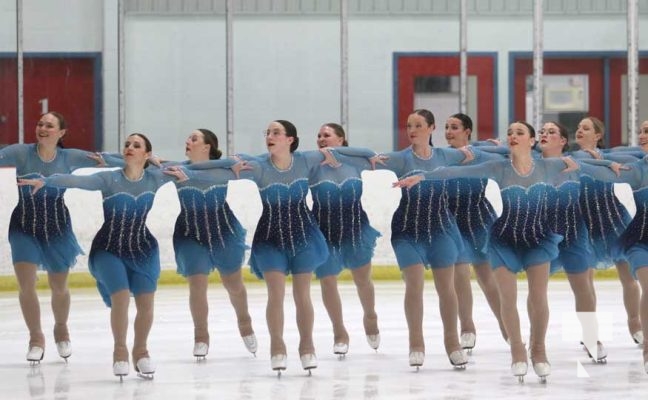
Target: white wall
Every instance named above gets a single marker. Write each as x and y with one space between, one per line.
7 26
53 25
175 75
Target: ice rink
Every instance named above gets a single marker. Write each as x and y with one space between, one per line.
230 372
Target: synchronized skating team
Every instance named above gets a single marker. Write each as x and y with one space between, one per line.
559 212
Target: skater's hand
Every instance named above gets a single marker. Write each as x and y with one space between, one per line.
617 168
178 172
595 154
469 154
378 159
98 158
37 184
329 158
571 165
240 166
408 182
155 160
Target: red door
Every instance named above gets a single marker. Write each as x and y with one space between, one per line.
593 67
63 84
409 67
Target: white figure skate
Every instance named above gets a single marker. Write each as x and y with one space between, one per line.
145 368
200 350
35 355
309 362
467 341
64 349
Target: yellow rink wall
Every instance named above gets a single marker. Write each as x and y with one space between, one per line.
8 283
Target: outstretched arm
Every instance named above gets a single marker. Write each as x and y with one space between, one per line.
107 159
361 158
75 159
612 165
607 173
66 181
484 154
489 170
223 163
463 155
12 155
36 184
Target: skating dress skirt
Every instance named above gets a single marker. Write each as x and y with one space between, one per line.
207 234
474 215
576 254
337 208
124 254
287 237
40 228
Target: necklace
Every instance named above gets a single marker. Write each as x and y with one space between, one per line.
282 169
43 159
421 157
139 178
531 169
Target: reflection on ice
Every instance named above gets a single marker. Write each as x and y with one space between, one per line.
230 372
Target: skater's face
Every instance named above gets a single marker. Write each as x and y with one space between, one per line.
418 130
326 137
586 135
550 138
643 135
276 139
135 150
519 138
195 146
456 134
48 130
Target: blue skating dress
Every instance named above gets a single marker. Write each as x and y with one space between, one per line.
474 215
522 236
207 234
287 237
423 230
124 253
473 212
336 193
40 229
605 217
635 238
576 254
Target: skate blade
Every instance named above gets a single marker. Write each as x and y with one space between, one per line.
148 377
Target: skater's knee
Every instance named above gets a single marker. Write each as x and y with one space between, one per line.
58 284
329 283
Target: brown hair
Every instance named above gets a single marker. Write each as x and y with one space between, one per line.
339 132
62 124
599 127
